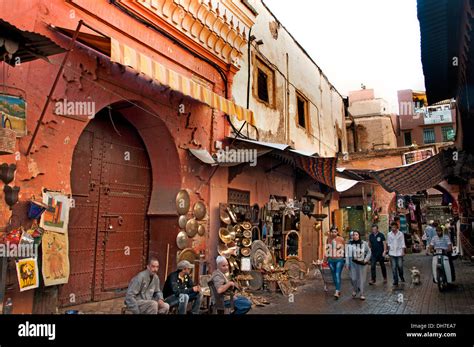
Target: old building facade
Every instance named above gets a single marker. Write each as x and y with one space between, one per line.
421 124
157 76
296 108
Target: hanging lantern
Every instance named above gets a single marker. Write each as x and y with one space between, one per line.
7 172
11 195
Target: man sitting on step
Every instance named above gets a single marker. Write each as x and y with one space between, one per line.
144 295
179 289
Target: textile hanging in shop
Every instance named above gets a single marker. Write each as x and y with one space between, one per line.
403 224
322 170
412 209
410 179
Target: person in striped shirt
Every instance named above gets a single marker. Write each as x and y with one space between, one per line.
442 241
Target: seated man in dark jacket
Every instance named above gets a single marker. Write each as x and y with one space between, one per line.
180 290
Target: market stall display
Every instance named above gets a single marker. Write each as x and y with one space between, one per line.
268 238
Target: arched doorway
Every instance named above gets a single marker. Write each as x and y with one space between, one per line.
108 227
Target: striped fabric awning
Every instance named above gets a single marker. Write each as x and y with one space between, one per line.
412 178
320 169
125 55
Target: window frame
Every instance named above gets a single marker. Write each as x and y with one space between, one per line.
259 64
443 133
259 73
405 139
300 96
424 137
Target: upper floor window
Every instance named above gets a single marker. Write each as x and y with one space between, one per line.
407 138
429 135
264 83
262 86
448 133
302 110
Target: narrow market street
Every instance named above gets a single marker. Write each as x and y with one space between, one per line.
310 297
381 299
165 160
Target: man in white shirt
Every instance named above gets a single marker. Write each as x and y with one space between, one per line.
396 251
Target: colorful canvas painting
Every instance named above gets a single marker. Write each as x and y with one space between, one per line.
13 108
27 272
55 266
56 216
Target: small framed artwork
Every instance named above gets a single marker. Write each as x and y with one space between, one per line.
27 272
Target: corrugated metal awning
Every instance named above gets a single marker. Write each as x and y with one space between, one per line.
31 46
204 156
321 170
279 146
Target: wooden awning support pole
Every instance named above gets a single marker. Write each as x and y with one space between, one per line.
53 87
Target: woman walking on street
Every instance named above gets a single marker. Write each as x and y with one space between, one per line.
357 257
335 257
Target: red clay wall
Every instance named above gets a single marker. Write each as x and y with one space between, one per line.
89 76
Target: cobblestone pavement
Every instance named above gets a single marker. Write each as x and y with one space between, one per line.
310 297
380 298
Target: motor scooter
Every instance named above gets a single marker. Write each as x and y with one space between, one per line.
441 269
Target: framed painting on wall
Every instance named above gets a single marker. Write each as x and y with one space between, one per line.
56 216
55 264
13 108
27 272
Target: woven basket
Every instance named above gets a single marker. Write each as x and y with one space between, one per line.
7 140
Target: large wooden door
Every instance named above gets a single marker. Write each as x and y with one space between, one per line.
310 238
108 227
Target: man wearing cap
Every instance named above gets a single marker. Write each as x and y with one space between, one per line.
179 289
241 304
144 295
